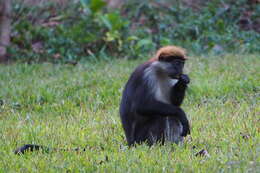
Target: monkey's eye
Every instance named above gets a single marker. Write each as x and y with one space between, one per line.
167 60
178 62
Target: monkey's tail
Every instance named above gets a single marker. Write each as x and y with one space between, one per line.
32 147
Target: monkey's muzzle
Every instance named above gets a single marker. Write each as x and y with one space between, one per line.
175 76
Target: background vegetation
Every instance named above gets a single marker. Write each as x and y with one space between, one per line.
74 55
80 30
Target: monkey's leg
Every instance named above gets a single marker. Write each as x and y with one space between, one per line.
173 130
157 108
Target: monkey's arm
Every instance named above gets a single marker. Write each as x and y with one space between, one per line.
157 108
178 90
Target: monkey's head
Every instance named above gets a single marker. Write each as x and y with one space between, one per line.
171 60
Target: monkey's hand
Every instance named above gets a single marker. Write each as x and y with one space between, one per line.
184 79
186 130
184 121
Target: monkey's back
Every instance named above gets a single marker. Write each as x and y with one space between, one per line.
128 114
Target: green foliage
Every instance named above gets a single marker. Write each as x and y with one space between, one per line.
77 106
213 25
87 30
82 32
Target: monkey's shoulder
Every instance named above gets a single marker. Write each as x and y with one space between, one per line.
139 70
138 74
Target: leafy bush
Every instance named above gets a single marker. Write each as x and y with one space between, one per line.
80 31
87 30
214 25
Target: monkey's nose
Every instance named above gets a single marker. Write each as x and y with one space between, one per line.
178 76
174 76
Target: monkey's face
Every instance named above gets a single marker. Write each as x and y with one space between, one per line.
173 67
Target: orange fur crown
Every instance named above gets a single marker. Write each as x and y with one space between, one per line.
171 52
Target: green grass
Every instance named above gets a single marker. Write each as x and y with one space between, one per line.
68 107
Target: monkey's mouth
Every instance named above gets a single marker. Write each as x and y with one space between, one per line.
175 76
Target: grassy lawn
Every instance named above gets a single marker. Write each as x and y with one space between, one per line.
77 106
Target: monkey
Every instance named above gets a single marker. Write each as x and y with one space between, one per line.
150 106
150 109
